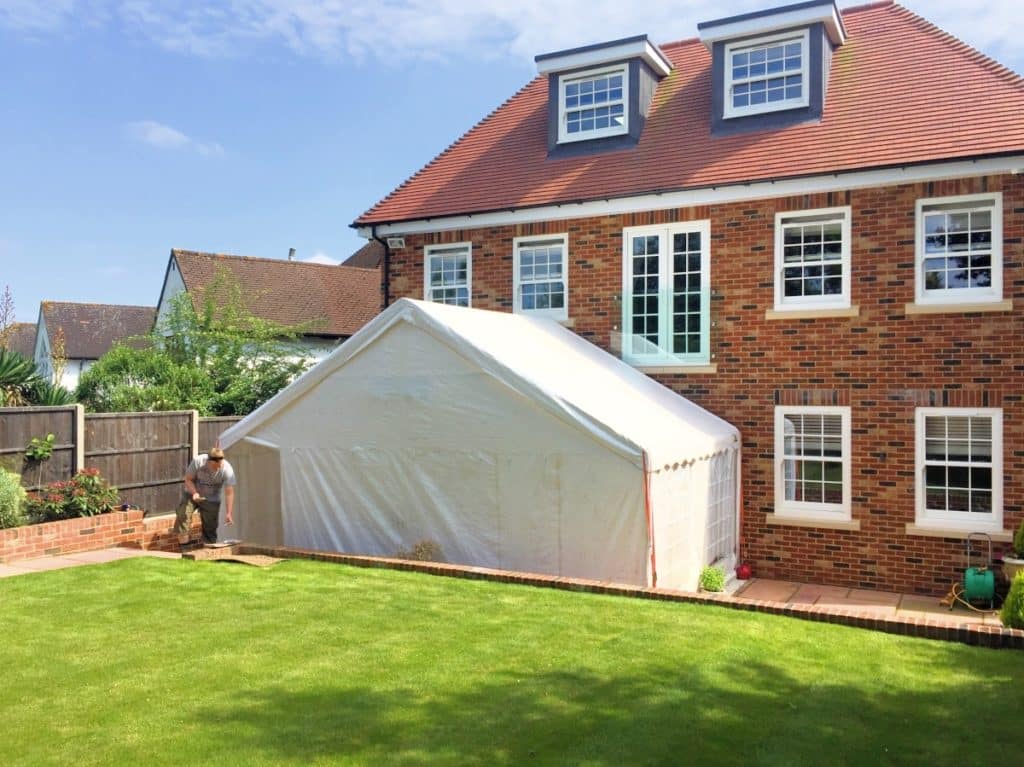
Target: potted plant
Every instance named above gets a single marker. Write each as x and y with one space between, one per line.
1015 563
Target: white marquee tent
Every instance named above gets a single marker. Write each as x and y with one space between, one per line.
509 441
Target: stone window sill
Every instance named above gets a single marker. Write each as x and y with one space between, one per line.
1001 536
991 306
676 369
811 314
827 524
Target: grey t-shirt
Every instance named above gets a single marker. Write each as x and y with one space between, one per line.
209 480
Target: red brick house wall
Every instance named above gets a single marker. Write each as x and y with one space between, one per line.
882 363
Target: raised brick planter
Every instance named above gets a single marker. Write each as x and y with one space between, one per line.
69 536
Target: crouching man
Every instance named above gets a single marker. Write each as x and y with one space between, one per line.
205 479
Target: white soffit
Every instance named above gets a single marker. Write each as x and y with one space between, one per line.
605 53
786 17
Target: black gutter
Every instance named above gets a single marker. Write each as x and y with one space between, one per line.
386 266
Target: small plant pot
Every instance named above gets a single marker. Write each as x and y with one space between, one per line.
1012 566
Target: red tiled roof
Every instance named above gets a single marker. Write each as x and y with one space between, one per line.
90 330
327 300
900 91
369 256
21 338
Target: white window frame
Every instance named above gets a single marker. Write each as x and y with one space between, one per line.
836 512
665 358
783 303
519 243
970 202
431 250
966 521
564 137
803 37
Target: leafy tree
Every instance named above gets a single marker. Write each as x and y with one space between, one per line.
219 360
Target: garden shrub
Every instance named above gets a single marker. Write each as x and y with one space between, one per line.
12 498
1013 608
422 551
84 495
712 578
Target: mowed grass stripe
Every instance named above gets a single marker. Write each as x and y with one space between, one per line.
148 661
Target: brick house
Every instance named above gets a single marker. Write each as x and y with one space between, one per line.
809 222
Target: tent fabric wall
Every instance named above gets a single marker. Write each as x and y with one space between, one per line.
509 441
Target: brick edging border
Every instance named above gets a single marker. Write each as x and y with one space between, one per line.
971 634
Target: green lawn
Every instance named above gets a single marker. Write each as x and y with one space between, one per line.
148 662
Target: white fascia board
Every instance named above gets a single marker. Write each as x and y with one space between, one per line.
758 190
642 49
760 25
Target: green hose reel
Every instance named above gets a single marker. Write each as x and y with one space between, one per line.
979 582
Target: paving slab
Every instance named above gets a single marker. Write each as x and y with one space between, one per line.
79 559
103 555
876 597
47 563
811 593
768 590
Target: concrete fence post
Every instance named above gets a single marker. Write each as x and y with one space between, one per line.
194 429
79 439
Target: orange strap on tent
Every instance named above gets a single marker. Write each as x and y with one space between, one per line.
650 520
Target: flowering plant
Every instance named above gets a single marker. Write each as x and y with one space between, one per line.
85 494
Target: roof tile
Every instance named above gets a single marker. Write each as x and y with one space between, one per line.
327 300
883 108
90 330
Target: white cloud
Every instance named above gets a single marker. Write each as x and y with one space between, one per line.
162 136
34 15
396 30
321 258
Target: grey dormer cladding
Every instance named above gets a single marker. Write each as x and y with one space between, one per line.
645 66
820 18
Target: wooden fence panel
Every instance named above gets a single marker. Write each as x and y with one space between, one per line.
18 426
210 429
143 454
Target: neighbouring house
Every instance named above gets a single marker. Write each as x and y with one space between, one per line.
329 303
21 338
499 438
370 256
808 221
88 330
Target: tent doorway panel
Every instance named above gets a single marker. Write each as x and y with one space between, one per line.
723 519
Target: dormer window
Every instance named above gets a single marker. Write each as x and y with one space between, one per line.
769 69
593 104
766 75
599 95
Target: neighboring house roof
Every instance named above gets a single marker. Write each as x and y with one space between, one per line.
331 300
90 330
884 108
21 338
548 365
369 256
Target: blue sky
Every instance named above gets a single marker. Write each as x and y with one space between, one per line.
129 127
